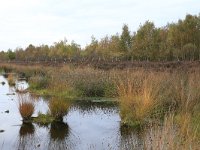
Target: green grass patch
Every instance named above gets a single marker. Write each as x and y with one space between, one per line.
43 119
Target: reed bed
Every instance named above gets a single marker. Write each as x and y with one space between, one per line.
145 95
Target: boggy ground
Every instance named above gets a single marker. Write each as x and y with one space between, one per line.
162 96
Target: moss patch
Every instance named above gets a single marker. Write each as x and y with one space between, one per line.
43 119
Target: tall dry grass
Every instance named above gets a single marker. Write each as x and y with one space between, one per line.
26 107
139 94
170 136
145 95
11 80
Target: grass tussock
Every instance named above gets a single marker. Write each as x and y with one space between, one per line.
146 95
26 107
58 108
11 80
139 95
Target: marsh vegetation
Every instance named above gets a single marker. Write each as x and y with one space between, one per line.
162 104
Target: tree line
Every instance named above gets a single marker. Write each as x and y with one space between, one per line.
175 41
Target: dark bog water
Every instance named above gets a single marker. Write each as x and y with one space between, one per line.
88 125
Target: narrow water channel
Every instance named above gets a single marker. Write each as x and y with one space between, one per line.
88 125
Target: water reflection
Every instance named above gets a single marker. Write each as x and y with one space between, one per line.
26 129
26 136
90 107
59 136
56 137
59 131
131 138
88 125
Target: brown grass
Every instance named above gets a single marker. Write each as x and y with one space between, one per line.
145 94
139 95
26 107
170 136
11 80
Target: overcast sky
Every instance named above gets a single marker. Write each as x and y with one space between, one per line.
46 21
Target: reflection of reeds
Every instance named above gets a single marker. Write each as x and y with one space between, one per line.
26 107
26 129
26 137
59 130
59 136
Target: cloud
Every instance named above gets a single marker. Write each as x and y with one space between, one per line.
46 21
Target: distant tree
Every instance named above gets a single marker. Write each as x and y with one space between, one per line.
3 56
19 54
189 52
125 39
144 45
11 54
91 49
175 41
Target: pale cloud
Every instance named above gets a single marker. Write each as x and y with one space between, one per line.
46 21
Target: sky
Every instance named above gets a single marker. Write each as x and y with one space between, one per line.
37 22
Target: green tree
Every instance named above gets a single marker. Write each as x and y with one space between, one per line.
11 54
125 39
145 41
